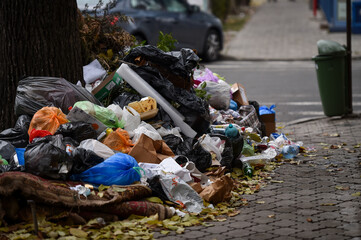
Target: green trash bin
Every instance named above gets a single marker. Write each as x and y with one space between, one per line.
331 76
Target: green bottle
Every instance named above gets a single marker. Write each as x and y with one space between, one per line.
247 169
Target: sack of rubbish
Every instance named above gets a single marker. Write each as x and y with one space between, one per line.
47 157
119 140
97 147
34 93
170 77
78 131
83 160
220 93
119 169
104 115
47 118
190 148
180 192
18 136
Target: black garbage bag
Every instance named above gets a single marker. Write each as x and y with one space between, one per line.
47 157
6 150
156 187
179 63
84 159
34 93
169 73
227 154
194 109
190 149
125 98
78 131
18 136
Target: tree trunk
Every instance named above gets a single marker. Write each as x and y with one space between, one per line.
37 38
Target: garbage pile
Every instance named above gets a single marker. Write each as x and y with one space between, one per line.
173 127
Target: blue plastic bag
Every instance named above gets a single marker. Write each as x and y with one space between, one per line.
265 110
233 105
119 169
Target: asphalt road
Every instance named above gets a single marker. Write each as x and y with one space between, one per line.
290 85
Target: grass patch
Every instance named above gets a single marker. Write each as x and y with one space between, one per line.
235 23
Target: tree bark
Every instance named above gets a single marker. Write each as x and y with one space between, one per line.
37 38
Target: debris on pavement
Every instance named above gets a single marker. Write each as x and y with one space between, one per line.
176 146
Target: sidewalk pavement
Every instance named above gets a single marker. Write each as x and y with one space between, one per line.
283 30
315 196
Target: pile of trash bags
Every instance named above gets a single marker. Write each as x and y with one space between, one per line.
173 123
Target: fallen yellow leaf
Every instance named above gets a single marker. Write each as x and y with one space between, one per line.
356 194
261 202
76 232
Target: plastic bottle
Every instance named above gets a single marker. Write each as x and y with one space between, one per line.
237 140
290 151
231 132
247 169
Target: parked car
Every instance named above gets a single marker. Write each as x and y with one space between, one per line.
191 27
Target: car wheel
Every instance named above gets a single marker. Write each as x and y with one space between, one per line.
212 46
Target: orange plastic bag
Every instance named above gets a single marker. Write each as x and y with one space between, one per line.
47 118
119 140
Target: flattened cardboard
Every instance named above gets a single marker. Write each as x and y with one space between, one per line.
239 94
104 88
269 122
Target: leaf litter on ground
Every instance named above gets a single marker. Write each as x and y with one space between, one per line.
140 227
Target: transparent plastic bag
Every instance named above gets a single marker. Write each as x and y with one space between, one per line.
180 192
104 115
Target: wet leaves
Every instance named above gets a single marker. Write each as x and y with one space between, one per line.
356 194
328 204
342 188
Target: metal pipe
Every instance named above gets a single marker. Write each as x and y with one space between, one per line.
349 59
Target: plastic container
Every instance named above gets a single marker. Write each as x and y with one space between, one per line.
331 76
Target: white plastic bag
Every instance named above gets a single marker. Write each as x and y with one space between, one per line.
212 144
131 119
179 191
147 129
171 166
93 71
117 110
262 158
220 94
97 147
175 131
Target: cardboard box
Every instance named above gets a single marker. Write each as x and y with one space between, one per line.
104 88
269 122
239 94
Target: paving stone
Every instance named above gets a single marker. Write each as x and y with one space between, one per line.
189 234
263 236
239 233
239 225
285 231
219 228
329 223
283 223
308 234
